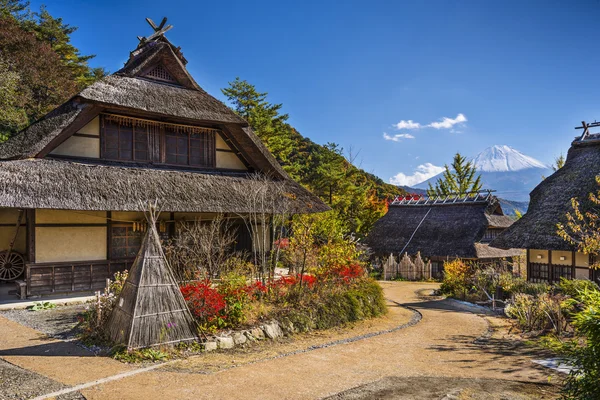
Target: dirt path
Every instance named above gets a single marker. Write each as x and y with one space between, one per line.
450 343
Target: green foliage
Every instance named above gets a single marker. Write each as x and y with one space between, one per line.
41 305
459 179
335 306
137 356
12 117
542 312
40 61
359 198
584 354
574 287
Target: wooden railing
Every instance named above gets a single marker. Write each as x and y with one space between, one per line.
78 276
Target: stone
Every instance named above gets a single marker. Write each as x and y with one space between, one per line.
272 330
225 342
210 346
239 338
255 334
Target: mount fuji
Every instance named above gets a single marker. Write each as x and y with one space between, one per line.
508 171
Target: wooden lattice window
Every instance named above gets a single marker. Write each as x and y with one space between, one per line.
160 73
125 142
189 148
125 243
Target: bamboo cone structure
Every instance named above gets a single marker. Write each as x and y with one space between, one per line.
151 310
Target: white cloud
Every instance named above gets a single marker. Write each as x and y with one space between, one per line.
448 123
397 137
422 173
410 124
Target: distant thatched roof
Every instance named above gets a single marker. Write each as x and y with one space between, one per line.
446 230
60 184
551 200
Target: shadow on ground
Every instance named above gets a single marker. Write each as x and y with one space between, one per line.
448 388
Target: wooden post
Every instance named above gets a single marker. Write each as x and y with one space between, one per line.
550 269
31 235
527 266
573 267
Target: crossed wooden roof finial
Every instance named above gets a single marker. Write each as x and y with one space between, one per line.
159 30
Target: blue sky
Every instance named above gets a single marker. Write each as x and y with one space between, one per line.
520 73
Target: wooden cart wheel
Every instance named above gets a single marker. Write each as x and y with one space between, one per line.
12 265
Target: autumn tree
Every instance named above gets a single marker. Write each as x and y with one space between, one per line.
461 178
582 227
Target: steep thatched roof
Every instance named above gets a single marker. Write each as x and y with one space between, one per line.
36 136
159 98
60 184
438 230
551 200
151 310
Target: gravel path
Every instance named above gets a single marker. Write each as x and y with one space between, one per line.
17 383
59 323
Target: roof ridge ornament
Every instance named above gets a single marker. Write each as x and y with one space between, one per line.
159 30
481 196
587 135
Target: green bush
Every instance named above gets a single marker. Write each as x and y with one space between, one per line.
335 306
574 287
541 312
584 380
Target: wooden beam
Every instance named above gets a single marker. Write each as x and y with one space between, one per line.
550 269
31 235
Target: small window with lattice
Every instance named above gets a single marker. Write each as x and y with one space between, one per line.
160 73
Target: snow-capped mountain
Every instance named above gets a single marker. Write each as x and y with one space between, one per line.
508 171
504 158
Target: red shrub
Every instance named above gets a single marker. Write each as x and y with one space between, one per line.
205 302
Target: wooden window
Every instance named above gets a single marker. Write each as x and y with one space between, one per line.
129 139
193 149
125 243
124 142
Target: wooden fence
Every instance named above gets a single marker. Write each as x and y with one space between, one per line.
412 269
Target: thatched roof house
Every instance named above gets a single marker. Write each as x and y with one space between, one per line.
442 228
75 181
550 257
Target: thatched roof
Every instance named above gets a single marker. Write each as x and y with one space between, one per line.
440 230
551 200
61 184
31 140
159 98
151 310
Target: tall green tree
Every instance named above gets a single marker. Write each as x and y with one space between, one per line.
357 198
461 178
35 78
40 68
